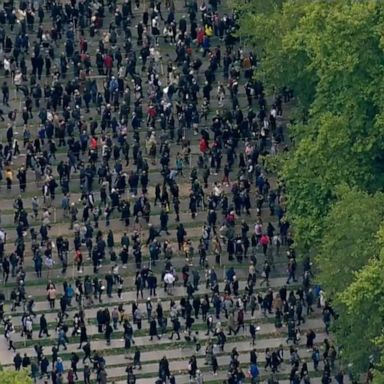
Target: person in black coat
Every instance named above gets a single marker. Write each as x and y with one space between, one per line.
152 284
87 352
136 359
109 280
108 333
153 329
180 234
17 360
164 369
83 335
44 364
152 234
192 367
43 326
131 377
253 357
74 361
188 323
252 331
100 320
175 329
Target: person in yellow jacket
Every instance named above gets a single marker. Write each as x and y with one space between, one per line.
9 177
208 30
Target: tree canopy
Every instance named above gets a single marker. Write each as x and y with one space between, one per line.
15 377
362 323
331 54
350 238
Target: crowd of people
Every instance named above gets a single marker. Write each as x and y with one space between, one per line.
103 103
222 313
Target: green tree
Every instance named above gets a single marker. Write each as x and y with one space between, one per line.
330 53
13 377
362 322
343 133
349 239
265 24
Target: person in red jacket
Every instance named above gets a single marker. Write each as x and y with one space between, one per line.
203 145
264 242
108 64
70 377
200 36
93 143
151 112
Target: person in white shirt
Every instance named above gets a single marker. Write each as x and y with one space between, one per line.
7 68
169 280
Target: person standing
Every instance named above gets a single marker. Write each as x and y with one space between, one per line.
215 365
192 367
43 326
108 333
137 316
153 329
175 328
44 365
71 377
252 331
152 284
6 269
9 335
87 374
51 295
87 353
265 274
131 377
136 358
164 372
22 177
254 373
61 339
9 177
17 360
291 270
79 260
74 361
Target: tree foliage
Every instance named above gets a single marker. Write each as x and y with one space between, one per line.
350 238
362 324
15 377
350 262
331 53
